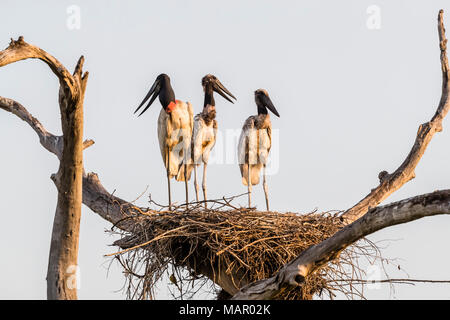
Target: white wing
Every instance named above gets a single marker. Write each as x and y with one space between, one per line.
265 143
248 152
162 134
197 139
203 139
174 135
243 142
183 153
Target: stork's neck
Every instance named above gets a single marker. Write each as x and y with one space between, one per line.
166 95
209 97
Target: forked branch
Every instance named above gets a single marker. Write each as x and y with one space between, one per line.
295 272
361 220
68 148
48 140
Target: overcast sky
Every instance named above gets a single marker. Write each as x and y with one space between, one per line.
352 81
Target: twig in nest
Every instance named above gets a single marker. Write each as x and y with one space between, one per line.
241 244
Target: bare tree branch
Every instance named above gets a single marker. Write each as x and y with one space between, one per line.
362 221
398 281
95 196
20 50
295 272
48 140
106 205
390 183
68 148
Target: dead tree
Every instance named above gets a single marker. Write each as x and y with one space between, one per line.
69 150
357 222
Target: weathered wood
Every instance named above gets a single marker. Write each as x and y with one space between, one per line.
360 218
96 197
361 223
63 258
390 183
116 210
63 254
20 50
48 140
295 272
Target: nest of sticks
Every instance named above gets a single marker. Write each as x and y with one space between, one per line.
245 244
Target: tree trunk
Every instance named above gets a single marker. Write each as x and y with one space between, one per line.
62 267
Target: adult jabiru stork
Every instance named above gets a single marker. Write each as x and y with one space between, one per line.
255 142
175 124
205 128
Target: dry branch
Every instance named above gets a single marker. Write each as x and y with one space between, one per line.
69 150
95 196
294 273
20 50
238 245
390 183
143 225
48 140
359 222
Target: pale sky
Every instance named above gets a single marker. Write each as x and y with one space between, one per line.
350 98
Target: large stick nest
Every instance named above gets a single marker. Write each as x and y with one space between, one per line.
246 244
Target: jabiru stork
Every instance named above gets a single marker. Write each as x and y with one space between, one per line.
255 142
205 128
175 124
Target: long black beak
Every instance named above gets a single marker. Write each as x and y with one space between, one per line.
220 89
156 87
269 105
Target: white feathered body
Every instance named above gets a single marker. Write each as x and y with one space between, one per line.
254 146
174 135
203 138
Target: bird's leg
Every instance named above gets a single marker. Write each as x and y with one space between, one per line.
186 185
204 183
168 178
265 188
195 182
249 186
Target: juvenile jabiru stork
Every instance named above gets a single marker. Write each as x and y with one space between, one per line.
175 124
205 128
255 142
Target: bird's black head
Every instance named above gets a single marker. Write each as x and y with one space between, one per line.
161 88
164 79
208 80
263 102
210 83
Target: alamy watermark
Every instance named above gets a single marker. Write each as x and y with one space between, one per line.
73 21
373 273
226 148
74 277
373 21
